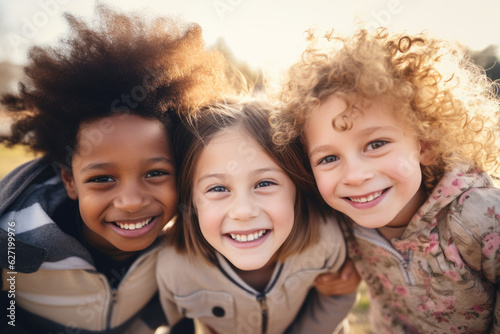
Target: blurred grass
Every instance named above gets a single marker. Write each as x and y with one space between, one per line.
10 158
358 319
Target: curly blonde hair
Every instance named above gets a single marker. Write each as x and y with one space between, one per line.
430 83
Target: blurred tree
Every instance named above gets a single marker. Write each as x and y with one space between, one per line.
10 74
489 61
253 77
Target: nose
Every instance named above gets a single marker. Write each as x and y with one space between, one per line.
243 207
131 197
357 171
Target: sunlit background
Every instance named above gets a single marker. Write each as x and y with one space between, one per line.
266 34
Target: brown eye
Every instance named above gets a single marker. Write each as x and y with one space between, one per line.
156 173
100 179
328 159
375 144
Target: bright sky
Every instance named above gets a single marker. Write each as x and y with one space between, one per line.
264 33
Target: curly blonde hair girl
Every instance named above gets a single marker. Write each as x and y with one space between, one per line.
430 83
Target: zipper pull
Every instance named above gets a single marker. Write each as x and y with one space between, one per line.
114 299
263 306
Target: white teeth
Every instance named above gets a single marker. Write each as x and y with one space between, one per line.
370 198
134 226
247 237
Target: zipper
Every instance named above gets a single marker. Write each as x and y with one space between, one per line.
263 306
261 297
114 292
114 299
365 234
403 264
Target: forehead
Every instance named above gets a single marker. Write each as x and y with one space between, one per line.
231 149
121 133
231 143
343 113
115 125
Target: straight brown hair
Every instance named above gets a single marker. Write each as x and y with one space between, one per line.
252 117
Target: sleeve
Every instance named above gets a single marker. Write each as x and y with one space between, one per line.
152 316
320 313
476 231
490 253
167 301
323 314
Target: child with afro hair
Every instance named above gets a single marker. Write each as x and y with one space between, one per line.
401 133
84 219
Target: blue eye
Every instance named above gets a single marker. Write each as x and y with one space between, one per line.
375 144
328 159
262 184
218 189
100 179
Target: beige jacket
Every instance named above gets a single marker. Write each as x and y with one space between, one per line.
83 299
222 301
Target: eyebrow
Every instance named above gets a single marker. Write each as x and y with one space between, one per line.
104 165
362 133
255 172
373 129
161 159
319 149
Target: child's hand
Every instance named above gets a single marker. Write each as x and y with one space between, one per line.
343 283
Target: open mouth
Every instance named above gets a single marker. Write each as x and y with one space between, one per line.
248 237
134 226
367 198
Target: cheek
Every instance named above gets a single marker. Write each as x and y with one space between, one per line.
170 197
284 214
404 166
209 217
90 205
210 225
91 212
324 183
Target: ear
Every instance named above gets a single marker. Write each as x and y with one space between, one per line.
69 183
426 154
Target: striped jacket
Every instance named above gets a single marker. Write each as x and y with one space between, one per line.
50 276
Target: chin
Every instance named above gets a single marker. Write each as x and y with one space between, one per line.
249 266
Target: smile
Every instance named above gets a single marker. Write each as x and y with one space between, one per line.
134 226
368 198
248 237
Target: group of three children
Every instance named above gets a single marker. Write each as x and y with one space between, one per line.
375 154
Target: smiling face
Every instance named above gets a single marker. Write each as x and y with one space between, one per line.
370 172
123 176
244 200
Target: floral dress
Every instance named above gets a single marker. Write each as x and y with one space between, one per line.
442 275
